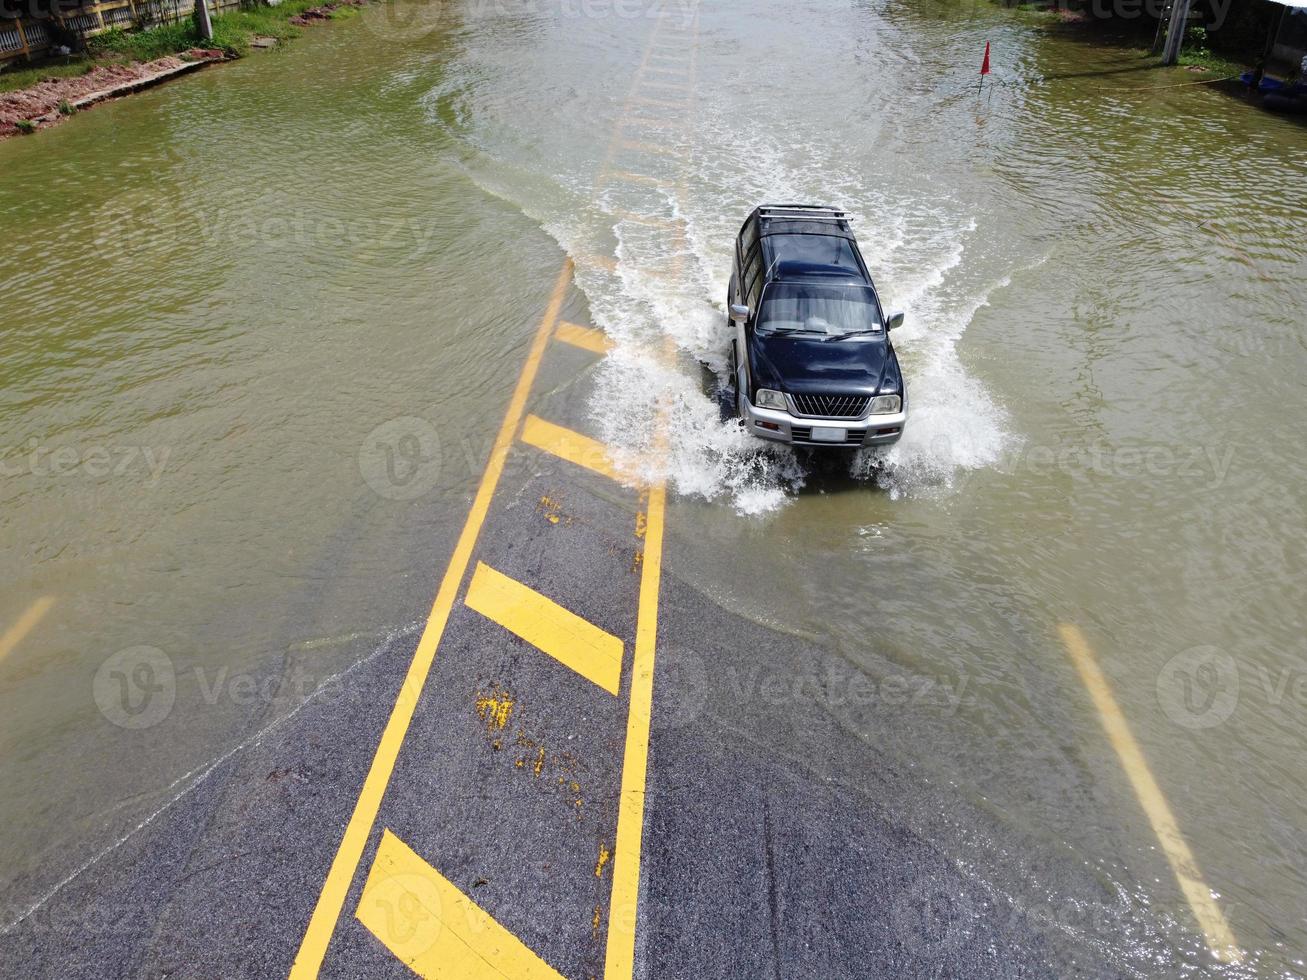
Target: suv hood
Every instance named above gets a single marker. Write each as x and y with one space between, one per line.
810 366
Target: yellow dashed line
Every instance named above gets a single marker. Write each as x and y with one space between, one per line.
572 641
467 942
569 445
586 338
606 262
1209 915
435 930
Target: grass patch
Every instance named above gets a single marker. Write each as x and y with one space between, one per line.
1214 63
13 79
25 126
1195 53
231 33
146 45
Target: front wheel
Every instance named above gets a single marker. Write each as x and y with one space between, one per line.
735 382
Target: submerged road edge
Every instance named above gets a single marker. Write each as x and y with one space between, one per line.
331 900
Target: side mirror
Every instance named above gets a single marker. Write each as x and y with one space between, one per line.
739 313
895 320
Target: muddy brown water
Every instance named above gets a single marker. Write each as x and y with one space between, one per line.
254 336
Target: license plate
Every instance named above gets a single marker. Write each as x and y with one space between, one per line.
820 434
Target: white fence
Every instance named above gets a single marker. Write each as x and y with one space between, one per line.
31 37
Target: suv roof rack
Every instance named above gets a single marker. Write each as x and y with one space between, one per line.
805 212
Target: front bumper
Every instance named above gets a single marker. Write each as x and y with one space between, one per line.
874 430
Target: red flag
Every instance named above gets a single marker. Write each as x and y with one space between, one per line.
984 65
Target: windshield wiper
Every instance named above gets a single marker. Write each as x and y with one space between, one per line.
849 333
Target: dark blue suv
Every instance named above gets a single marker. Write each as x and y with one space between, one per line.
811 356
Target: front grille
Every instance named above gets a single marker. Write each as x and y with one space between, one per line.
803 436
832 406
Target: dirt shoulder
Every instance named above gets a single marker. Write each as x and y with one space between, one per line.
51 100
54 99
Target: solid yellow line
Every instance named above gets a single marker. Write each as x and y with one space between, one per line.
568 445
586 338
25 623
619 961
1210 918
332 898
435 930
571 640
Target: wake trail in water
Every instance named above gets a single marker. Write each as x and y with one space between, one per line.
652 257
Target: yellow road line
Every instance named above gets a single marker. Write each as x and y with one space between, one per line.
343 867
569 445
619 961
605 262
1209 915
619 955
25 623
437 931
586 338
574 642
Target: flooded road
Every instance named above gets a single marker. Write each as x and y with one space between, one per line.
261 326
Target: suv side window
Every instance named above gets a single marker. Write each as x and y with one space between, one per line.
749 237
751 275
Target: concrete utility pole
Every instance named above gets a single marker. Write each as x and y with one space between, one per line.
1175 31
202 21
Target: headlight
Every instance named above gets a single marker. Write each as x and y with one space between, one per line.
769 398
886 404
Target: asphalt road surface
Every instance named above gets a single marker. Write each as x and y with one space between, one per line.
771 845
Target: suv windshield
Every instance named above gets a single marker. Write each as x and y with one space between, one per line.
818 308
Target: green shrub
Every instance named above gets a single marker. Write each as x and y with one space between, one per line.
66 108
25 126
146 45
